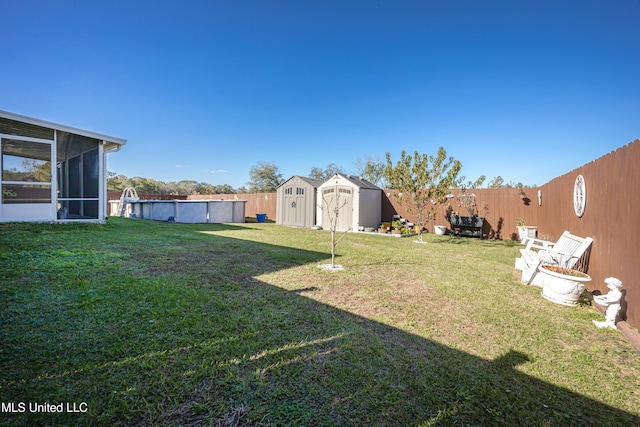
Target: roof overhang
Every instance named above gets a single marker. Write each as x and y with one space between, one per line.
111 143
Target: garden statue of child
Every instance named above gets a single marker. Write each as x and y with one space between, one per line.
612 301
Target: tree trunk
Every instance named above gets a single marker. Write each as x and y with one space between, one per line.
333 247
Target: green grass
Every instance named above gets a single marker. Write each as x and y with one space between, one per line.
174 324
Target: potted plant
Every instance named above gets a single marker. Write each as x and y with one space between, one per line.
521 225
440 230
562 285
397 226
383 229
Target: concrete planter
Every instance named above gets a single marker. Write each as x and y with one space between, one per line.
562 288
440 230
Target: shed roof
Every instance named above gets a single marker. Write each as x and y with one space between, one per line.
357 181
314 182
109 140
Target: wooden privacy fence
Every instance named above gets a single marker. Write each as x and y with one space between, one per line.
612 199
499 206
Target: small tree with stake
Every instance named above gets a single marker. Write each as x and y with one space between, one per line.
332 210
421 182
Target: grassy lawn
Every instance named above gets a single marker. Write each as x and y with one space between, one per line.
144 323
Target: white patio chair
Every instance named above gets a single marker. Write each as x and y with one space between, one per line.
566 252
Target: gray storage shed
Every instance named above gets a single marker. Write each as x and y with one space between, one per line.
359 202
296 202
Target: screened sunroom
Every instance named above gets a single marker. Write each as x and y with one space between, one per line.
52 172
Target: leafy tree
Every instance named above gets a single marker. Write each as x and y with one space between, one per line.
265 177
324 174
144 185
30 170
118 182
371 169
187 187
222 189
421 182
40 170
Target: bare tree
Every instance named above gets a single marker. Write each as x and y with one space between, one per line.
371 169
467 199
332 204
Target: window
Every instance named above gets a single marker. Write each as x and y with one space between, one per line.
26 172
288 190
299 190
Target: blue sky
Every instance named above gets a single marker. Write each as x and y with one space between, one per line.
203 90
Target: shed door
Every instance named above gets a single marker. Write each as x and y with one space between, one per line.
337 201
294 206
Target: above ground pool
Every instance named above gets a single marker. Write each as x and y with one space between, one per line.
189 211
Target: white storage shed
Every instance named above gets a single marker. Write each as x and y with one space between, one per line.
359 203
296 202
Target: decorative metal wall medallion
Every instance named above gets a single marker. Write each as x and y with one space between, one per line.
579 195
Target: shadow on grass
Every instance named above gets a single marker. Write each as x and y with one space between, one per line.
144 347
